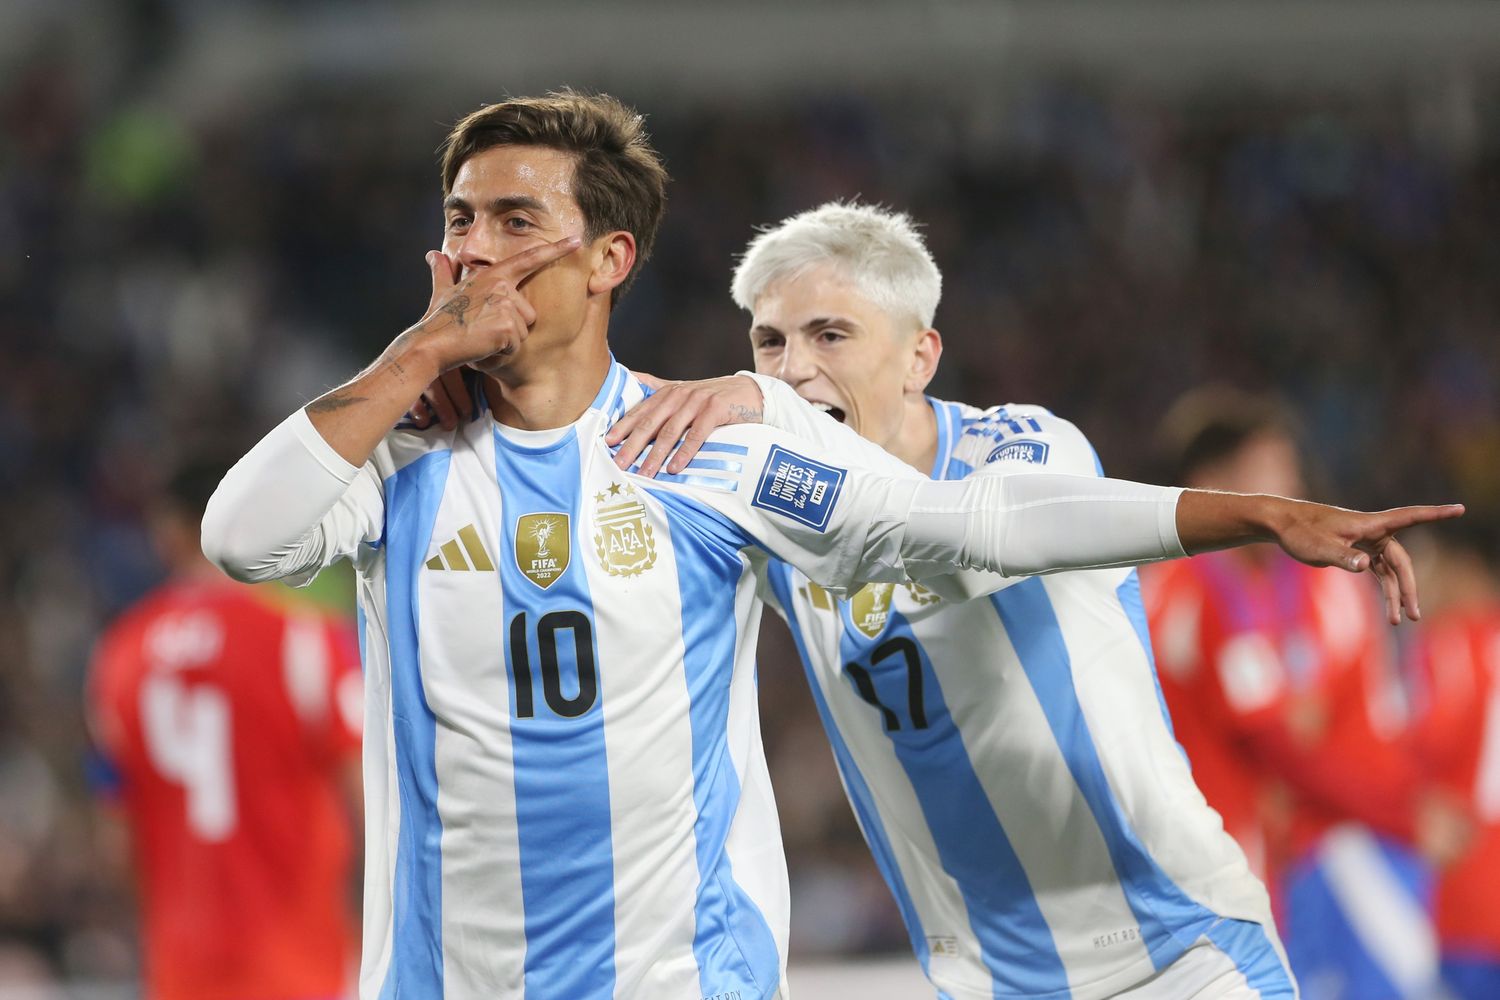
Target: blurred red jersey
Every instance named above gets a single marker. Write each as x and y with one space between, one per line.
227 718
1459 739
1277 679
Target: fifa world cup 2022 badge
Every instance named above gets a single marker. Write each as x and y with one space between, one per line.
870 607
543 545
622 535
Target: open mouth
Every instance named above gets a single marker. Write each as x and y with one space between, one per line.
828 408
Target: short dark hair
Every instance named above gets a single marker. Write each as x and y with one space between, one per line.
619 181
1209 424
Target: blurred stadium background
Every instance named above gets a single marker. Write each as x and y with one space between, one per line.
211 211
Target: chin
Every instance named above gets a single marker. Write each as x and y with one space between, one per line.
494 363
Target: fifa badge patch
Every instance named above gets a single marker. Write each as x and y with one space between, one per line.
543 546
623 537
1020 450
870 608
798 487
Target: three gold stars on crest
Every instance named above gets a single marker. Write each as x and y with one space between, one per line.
614 490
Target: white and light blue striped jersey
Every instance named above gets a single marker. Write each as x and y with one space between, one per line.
566 790
1010 760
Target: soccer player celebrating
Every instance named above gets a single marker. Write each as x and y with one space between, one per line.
566 790
1008 757
228 719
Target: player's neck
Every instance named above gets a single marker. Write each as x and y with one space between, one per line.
917 440
550 391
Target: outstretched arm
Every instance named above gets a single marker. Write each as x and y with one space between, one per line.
681 415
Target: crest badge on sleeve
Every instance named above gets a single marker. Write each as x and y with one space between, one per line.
543 545
622 535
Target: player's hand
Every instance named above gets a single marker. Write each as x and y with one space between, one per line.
1332 536
682 415
446 401
485 314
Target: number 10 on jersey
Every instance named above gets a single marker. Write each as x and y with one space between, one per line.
548 642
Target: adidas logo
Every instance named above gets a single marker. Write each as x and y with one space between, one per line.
451 553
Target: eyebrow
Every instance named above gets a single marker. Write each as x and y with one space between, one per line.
837 322
496 206
817 323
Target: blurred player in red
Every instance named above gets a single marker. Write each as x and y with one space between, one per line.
1283 691
1459 740
228 722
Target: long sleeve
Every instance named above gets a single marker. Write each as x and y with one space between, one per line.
1023 525
844 525
1047 517
290 507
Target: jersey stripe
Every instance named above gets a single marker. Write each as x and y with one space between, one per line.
416 968
733 943
1129 594
971 843
1257 956
561 776
1159 905
854 783
948 430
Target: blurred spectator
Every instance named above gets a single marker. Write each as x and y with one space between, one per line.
1282 687
1459 738
227 719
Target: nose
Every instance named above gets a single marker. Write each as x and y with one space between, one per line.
476 249
796 363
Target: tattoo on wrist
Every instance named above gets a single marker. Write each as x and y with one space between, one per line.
745 414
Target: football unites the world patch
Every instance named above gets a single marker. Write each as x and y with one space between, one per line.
1020 450
798 487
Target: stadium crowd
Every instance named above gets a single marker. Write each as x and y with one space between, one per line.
166 285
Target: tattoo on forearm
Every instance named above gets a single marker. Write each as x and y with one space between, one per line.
336 400
457 307
745 414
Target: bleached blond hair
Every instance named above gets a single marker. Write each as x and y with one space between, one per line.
877 249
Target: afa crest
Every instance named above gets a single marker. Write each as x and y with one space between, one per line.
623 537
543 547
870 607
919 594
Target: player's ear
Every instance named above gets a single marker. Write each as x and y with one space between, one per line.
924 360
614 256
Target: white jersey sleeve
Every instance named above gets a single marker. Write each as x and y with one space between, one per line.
786 411
990 445
844 525
292 506
1014 440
